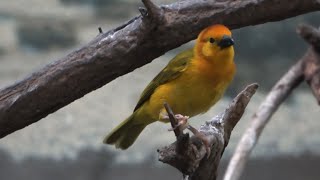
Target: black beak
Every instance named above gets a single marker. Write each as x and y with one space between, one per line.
225 42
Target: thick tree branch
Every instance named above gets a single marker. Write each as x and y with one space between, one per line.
128 47
307 68
193 160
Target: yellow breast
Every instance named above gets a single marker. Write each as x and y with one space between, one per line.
199 87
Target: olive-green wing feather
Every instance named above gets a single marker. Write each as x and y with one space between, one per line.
173 70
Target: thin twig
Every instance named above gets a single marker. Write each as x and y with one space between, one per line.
173 120
182 139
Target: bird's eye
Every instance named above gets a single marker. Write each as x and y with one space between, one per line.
211 40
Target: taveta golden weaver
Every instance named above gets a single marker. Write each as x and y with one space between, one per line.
191 83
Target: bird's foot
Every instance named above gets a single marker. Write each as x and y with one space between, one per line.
182 122
202 137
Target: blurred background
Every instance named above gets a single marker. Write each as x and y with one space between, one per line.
68 143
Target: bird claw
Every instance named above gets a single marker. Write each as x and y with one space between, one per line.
181 117
182 122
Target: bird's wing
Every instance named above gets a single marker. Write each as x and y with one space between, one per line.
173 70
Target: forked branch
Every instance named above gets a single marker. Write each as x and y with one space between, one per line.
192 161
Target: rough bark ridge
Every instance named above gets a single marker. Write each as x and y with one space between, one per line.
189 155
307 68
128 47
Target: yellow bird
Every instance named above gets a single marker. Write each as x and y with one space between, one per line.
191 83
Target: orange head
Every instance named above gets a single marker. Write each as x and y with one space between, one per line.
215 43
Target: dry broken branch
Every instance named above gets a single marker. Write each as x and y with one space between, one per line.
307 68
192 161
312 63
127 47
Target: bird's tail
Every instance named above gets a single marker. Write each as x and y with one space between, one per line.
124 135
